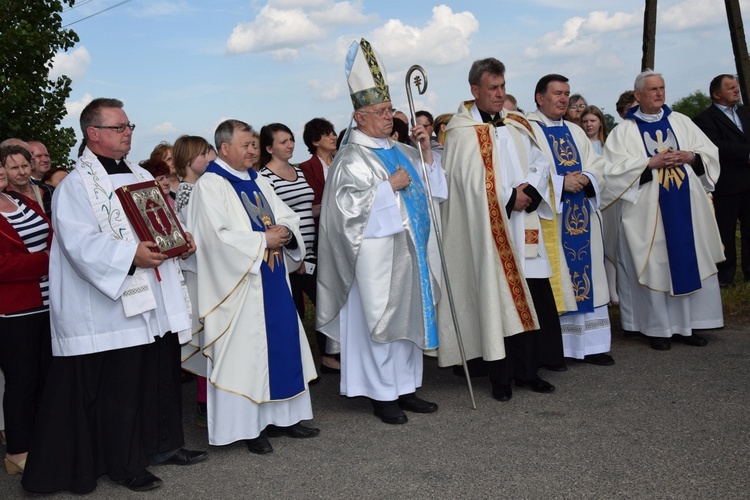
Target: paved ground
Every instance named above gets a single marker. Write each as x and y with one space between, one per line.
668 424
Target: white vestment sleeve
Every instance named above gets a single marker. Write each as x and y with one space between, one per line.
95 256
557 185
596 200
385 215
438 184
538 176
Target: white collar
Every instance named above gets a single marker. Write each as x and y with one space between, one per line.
242 174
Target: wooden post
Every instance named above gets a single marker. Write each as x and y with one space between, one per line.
739 46
649 35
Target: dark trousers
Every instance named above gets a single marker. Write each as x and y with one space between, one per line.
729 209
526 352
25 354
305 284
105 413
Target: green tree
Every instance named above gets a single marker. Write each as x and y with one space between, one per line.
31 105
609 120
692 104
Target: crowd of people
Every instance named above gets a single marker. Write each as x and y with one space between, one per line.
547 219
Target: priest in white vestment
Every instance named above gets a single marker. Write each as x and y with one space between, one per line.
501 245
112 403
377 287
577 176
259 360
660 169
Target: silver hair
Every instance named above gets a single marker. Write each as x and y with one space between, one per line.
225 131
641 78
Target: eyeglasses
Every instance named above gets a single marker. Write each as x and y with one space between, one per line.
577 106
383 113
117 128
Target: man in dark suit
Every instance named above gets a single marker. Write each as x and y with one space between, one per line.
728 126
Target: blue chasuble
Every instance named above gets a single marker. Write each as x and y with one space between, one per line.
282 327
674 205
414 197
576 221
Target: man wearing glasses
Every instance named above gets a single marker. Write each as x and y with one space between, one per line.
112 404
376 286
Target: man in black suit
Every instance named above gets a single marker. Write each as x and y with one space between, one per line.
728 126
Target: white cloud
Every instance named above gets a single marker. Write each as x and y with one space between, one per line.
164 128
342 13
298 4
73 64
584 35
690 14
74 108
274 29
286 54
326 90
445 38
291 24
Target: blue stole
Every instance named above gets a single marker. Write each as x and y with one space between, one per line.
414 197
674 204
282 328
576 230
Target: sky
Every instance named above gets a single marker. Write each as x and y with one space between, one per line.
184 66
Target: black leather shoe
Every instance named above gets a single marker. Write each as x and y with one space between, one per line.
296 431
631 333
143 481
391 414
410 402
693 340
536 385
329 370
600 359
260 445
502 392
186 457
660 343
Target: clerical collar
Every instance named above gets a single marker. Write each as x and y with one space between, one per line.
486 118
241 174
549 121
382 142
649 118
113 166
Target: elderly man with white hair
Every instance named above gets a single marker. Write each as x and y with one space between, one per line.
660 168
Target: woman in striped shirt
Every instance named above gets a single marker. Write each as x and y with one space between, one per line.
276 149
25 346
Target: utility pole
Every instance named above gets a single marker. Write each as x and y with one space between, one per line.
739 46
649 35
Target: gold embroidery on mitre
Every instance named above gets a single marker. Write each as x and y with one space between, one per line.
380 92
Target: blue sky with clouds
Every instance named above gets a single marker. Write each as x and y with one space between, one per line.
183 66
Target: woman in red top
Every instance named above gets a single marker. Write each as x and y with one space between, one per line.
25 348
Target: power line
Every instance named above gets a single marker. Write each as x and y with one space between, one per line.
97 13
